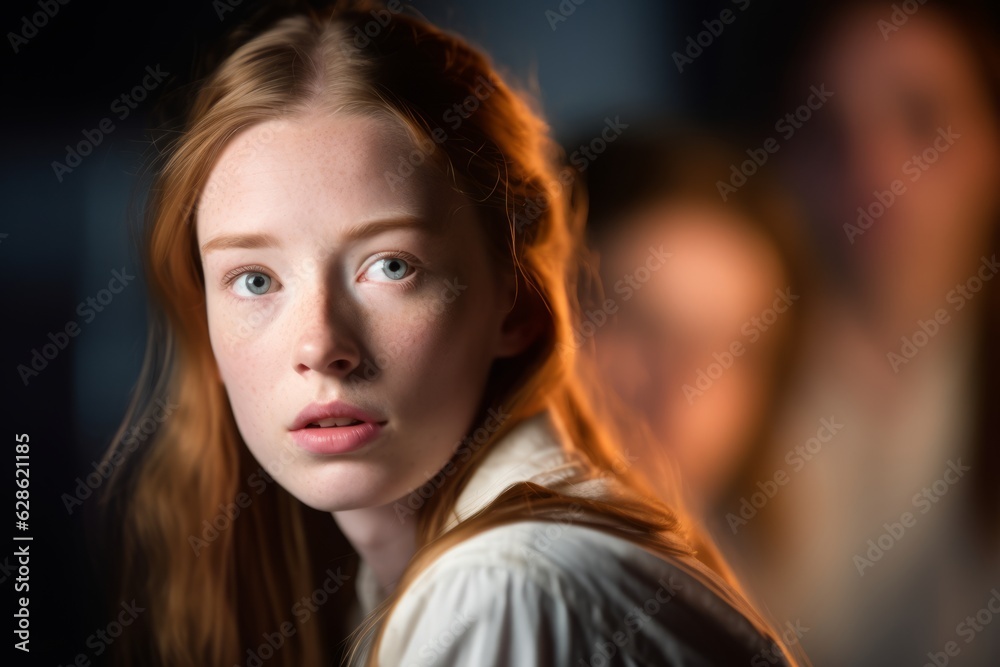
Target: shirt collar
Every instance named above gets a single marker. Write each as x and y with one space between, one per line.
534 450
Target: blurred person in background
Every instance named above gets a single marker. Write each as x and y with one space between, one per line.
896 519
701 348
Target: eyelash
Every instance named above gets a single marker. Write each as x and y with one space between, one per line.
407 283
411 280
230 277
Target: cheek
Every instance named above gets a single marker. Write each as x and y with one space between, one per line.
243 367
244 384
626 364
249 403
439 341
231 351
723 416
713 435
969 187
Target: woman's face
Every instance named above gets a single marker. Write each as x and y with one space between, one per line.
330 277
670 354
909 111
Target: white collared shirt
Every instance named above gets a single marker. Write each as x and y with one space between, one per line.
535 593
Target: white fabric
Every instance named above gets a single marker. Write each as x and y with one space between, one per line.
548 594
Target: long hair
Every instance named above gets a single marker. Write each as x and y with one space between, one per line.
359 59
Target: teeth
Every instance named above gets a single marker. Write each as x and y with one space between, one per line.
334 421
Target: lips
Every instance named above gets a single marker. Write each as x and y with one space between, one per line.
335 422
335 428
336 414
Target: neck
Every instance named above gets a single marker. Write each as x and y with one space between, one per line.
385 542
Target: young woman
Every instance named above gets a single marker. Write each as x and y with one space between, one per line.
364 252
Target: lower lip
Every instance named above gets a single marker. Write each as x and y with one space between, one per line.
336 439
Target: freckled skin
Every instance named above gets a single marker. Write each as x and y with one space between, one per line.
334 325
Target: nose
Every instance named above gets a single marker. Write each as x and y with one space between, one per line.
325 341
872 155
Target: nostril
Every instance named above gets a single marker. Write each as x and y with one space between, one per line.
324 354
342 365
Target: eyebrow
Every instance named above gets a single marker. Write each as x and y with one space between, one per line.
367 229
355 233
249 241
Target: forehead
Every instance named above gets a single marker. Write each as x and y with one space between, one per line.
346 166
926 51
720 264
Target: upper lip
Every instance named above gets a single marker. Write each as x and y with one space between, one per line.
315 412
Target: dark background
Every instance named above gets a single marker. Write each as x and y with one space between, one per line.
61 240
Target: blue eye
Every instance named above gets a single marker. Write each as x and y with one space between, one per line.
395 268
388 269
252 283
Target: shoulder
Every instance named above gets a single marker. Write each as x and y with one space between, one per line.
558 593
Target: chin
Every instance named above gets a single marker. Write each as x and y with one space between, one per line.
344 490
334 502
331 505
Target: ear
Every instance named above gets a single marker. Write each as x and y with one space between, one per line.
525 320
